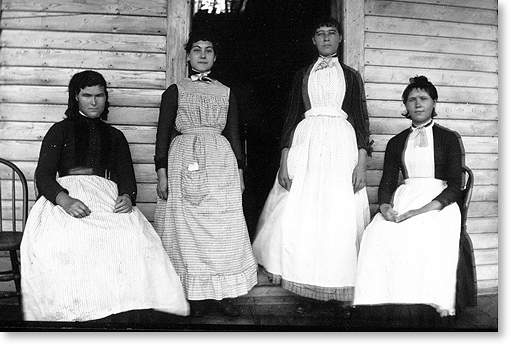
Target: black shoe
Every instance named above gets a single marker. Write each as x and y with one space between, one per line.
304 308
197 308
346 312
228 308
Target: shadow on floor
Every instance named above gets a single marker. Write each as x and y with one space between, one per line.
279 313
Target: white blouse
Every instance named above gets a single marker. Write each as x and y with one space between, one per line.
326 88
420 161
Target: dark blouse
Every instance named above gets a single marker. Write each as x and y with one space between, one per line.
85 143
448 160
354 104
167 131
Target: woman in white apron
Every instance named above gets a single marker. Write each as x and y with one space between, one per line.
307 235
409 252
87 251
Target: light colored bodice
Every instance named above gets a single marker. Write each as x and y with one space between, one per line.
327 88
202 106
420 161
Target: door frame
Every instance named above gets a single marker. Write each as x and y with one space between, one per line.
350 14
179 19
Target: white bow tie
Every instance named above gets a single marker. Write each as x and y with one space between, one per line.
420 136
325 62
201 77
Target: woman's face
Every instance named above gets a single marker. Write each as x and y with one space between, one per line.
202 56
420 105
326 39
91 101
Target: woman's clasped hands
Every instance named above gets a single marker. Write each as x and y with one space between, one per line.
392 215
76 208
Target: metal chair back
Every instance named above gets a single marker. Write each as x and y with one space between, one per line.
12 179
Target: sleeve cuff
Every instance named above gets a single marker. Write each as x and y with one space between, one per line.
132 195
160 163
53 196
442 201
285 146
366 145
385 199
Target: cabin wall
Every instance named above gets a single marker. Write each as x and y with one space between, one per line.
43 43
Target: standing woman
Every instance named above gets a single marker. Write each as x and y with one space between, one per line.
308 229
198 159
409 252
87 251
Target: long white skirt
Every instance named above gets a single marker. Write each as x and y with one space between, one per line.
309 234
78 269
413 261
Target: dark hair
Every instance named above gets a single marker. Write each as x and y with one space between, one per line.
202 35
420 82
328 22
79 81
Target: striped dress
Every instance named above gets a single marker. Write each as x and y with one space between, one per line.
80 269
201 224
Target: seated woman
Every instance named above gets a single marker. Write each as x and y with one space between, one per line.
409 252
87 252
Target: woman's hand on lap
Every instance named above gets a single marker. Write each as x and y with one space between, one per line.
433 205
406 215
123 204
72 206
388 212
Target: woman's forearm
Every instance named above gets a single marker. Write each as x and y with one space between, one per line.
283 155
431 206
161 173
362 158
62 198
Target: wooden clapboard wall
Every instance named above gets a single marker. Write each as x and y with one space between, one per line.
43 43
453 43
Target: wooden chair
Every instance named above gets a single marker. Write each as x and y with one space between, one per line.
10 239
466 287
466 194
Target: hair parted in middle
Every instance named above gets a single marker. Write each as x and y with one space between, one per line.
79 81
202 35
328 22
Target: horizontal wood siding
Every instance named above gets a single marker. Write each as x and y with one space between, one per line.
454 43
43 43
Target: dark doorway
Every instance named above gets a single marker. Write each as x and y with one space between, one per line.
262 44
